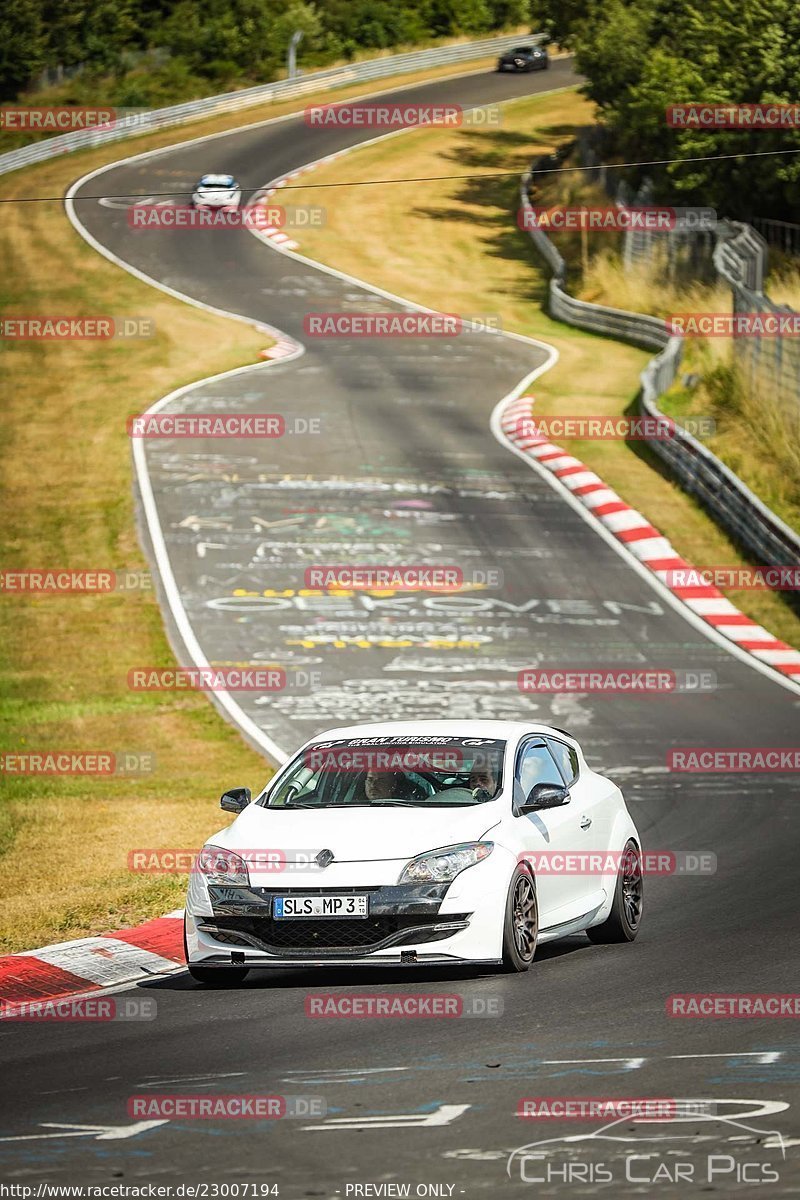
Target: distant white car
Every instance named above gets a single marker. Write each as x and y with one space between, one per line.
416 843
217 191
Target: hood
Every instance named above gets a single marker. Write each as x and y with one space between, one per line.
356 834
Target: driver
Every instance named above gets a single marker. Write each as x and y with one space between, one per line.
384 785
483 778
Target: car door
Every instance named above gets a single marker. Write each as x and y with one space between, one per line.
547 835
595 808
593 813
593 794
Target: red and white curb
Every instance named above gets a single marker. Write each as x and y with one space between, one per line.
645 542
273 233
283 347
88 964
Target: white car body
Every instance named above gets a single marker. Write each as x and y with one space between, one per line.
371 847
217 191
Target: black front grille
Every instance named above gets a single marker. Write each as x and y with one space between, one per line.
329 934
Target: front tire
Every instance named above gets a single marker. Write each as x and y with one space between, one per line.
213 977
521 923
622 923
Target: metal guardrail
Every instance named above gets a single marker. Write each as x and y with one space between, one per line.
698 471
783 235
284 89
740 256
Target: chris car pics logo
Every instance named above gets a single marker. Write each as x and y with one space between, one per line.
712 1151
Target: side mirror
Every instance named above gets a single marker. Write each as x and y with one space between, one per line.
545 795
235 799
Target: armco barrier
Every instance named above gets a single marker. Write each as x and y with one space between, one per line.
698 471
285 89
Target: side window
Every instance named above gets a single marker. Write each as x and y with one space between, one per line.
567 760
537 766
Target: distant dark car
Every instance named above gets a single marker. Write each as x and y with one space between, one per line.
524 58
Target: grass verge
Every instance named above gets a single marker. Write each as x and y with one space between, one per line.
755 433
68 502
452 244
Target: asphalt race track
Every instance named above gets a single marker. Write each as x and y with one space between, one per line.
406 470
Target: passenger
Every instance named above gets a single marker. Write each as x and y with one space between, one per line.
483 779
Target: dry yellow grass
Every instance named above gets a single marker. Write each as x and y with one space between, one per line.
68 502
783 285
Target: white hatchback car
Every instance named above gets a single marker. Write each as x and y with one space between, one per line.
418 843
217 191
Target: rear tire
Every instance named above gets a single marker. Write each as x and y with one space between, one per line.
521 923
214 977
622 923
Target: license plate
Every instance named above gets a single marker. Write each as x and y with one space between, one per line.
320 906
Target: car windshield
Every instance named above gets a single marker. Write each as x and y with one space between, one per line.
414 772
217 181
523 50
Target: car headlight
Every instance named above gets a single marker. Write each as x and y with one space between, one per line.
442 866
223 866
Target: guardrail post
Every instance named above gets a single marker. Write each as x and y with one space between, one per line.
291 54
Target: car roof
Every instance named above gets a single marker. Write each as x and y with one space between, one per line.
505 730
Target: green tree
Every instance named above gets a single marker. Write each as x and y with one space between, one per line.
22 46
641 57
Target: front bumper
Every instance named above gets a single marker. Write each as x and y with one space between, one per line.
407 959
216 205
534 64
422 923
429 922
